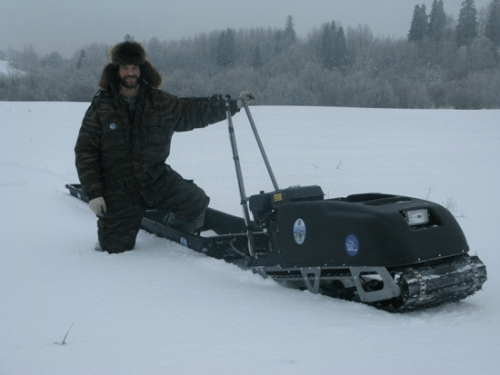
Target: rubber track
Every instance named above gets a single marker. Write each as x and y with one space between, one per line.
432 285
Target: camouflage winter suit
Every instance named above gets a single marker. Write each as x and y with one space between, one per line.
120 155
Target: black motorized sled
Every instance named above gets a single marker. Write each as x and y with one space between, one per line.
394 252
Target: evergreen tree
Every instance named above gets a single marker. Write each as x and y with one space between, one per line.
339 48
467 23
374 72
332 46
437 20
226 49
326 46
256 58
290 34
492 31
79 64
419 24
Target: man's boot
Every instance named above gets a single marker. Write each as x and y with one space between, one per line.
186 226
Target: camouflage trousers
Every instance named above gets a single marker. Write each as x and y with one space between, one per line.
182 197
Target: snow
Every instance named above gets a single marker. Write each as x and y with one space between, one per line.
164 309
6 69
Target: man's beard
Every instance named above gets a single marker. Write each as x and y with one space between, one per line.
130 84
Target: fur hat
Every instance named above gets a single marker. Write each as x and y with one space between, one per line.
129 53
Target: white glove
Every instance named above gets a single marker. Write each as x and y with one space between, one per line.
247 96
98 206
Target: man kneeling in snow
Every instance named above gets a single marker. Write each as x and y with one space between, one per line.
124 141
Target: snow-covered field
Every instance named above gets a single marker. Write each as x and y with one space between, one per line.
164 309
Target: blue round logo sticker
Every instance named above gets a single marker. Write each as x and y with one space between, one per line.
113 126
299 231
352 245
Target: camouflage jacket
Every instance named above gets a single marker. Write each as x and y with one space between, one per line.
117 150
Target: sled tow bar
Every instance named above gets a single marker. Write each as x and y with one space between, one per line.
261 147
239 174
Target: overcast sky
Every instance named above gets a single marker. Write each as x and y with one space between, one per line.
68 25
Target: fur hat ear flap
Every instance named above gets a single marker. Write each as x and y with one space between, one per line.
151 75
108 74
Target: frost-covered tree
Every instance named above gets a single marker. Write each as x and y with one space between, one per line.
419 24
492 31
156 53
437 20
26 60
358 41
467 23
52 60
324 68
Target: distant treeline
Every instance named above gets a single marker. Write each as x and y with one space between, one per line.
441 64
